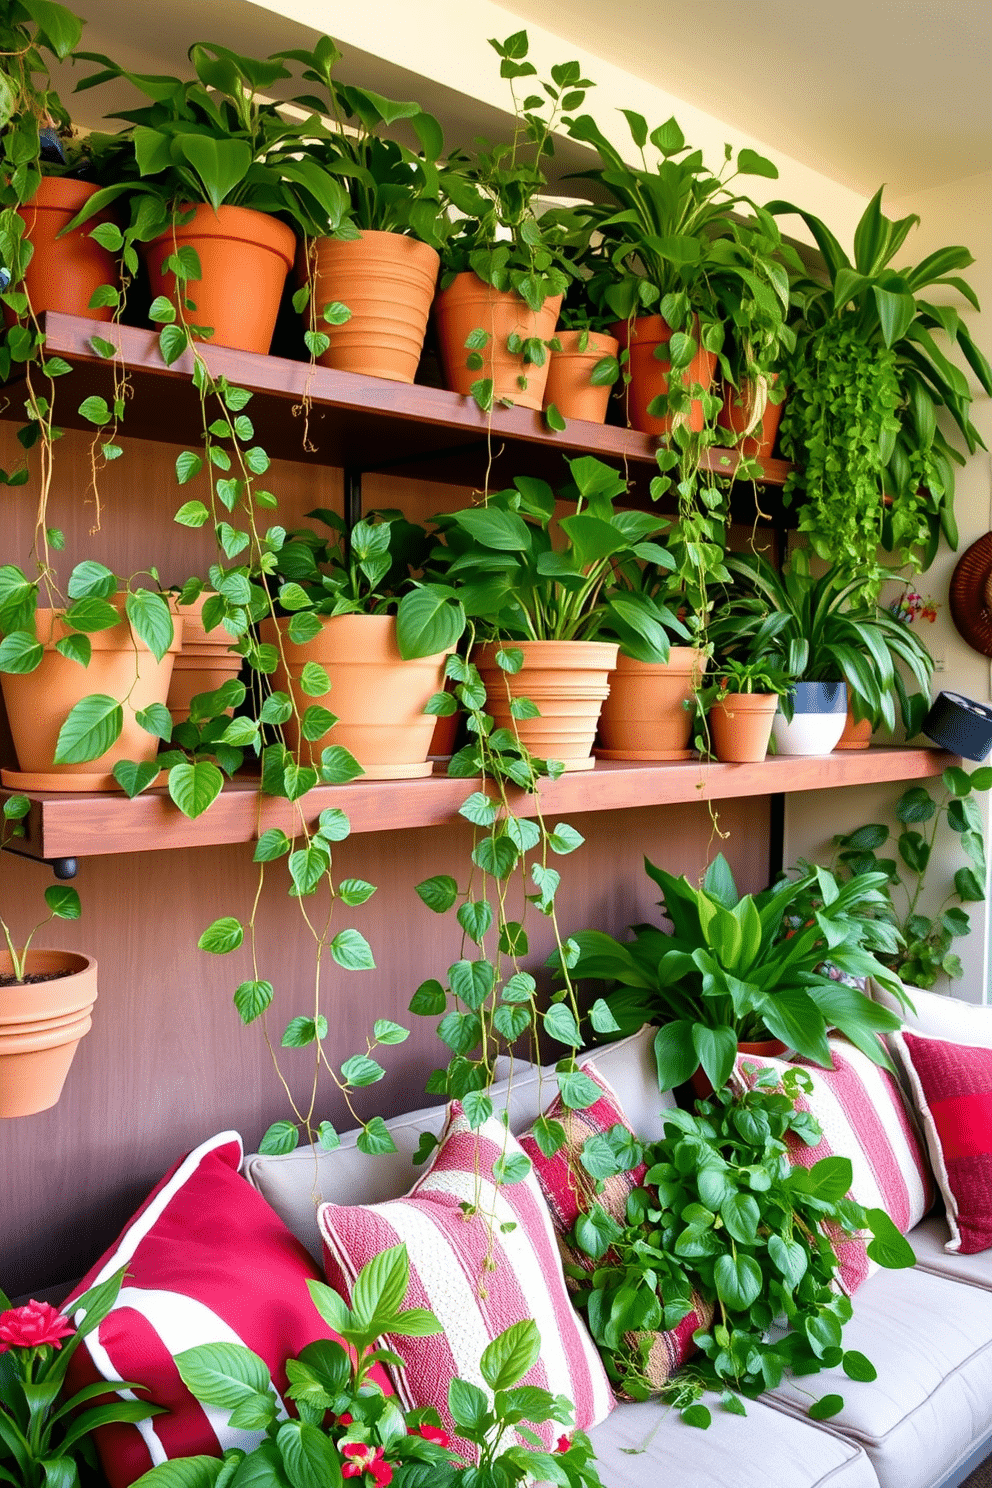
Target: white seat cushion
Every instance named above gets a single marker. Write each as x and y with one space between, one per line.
928 1241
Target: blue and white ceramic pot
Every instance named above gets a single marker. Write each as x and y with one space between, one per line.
820 712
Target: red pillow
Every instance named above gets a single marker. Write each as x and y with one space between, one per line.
952 1087
208 1261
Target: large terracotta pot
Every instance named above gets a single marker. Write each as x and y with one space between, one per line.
645 717
379 698
245 257
568 386
65 272
749 413
819 715
469 305
205 662
567 680
855 735
387 282
649 373
38 703
741 725
41 1024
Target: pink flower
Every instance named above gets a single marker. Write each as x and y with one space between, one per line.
363 1457
432 1434
31 1326
564 1443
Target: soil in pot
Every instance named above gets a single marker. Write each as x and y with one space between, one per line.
649 372
64 273
645 717
41 1023
741 725
469 305
387 282
244 257
568 386
567 680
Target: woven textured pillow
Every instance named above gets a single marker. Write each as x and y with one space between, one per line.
477 1276
951 1086
864 1117
207 1262
568 1189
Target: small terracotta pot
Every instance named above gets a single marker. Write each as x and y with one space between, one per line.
649 373
205 662
855 735
762 1049
39 702
741 725
740 415
387 282
64 273
568 386
245 257
645 717
41 1024
567 680
379 698
469 305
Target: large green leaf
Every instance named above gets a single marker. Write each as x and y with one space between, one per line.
491 527
429 620
92 727
150 617
220 164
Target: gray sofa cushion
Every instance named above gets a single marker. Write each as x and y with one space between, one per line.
929 1239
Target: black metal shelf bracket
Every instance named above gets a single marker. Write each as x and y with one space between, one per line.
62 868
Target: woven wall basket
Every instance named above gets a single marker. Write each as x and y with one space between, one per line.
970 595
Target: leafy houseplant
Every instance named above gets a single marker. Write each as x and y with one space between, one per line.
347 1427
739 705
44 1433
723 1211
734 967
867 381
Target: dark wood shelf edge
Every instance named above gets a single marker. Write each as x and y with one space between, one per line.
62 825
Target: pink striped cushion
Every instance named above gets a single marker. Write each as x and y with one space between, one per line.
864 1117
476 1276
207 1262
568 1188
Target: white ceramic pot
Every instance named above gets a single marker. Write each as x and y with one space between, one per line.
820 712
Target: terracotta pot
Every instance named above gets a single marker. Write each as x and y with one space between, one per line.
245 257
644 717
387 282
468 305
741 725
205 662
740 414
568 386
379 698
41 1024
649 373
38 703
64 272
762 1049
567 680
855 735
819 715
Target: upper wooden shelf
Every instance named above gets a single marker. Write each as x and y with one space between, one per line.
64 825
365 423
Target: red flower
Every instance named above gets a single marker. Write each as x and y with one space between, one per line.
32 1325
564 1442
431 1434
363 1457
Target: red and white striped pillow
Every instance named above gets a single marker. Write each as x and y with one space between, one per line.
863 1117
482 1257
207 1261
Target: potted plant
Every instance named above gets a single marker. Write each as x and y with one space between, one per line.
740 707
866 383
584 365
735 969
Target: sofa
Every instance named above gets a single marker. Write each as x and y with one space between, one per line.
926 1422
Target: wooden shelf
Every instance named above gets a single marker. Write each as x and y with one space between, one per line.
74 826
365 423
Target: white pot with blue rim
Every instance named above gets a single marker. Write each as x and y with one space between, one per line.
818 716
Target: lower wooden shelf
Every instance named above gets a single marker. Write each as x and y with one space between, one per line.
66 825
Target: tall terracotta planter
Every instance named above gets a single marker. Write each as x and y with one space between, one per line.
567 680
645 717
378 698
41 1024
568 386
205 662
38 703
469 305
64 273
387 282
649 373
748 412
741 725
245 257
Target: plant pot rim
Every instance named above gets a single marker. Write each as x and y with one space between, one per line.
241 223
50 629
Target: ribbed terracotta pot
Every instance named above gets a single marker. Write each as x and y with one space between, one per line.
567 680
38 703
469 305
379 698
41 1024
568 386
64 273
855 735
245 257
741 725
649 373
205 662
387 282
762 1049
645 717
748 412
